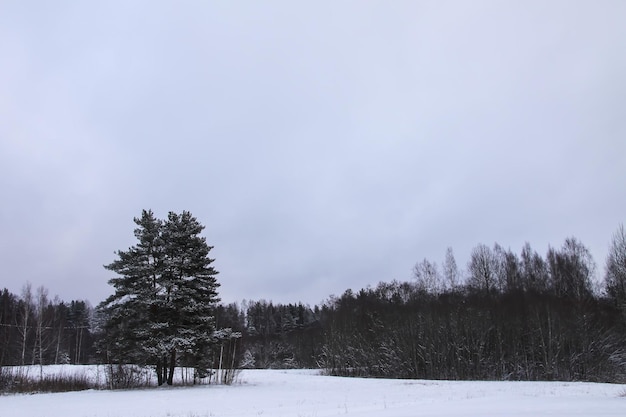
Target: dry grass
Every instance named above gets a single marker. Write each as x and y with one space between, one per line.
22 383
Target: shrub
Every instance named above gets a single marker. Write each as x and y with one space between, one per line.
127 376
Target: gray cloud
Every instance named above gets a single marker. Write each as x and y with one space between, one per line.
324 146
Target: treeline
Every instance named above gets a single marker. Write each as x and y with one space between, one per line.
504 316
394 331
37 330
275 335
508 316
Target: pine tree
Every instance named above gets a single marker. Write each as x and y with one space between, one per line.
190 290
163 305
127 312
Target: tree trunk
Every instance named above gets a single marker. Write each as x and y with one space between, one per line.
24 331
164 365
79 341
232 364
41 344
159 367
59 337
219 368
34 355
170 377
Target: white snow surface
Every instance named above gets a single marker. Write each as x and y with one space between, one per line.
300 393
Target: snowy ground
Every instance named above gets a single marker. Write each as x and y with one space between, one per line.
306 393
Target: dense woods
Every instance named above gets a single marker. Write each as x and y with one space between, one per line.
37 330
515 317
504 316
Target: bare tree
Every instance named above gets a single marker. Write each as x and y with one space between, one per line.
507 268
41 324
571 270
482 268
615 269
427 277
533 270
23 325
451 272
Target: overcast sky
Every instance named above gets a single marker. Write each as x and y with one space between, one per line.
324 145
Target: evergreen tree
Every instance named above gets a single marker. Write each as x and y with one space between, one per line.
163 305
190 291
127 311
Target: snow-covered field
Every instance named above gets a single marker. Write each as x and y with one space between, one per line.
300 393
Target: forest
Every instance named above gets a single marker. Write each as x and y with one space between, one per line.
505 316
